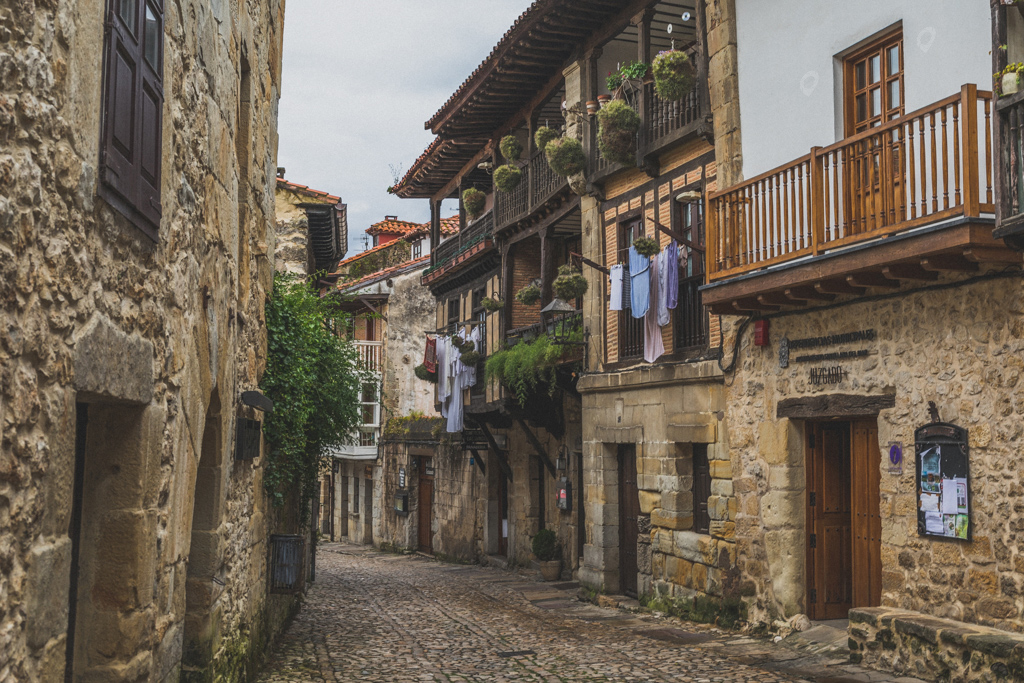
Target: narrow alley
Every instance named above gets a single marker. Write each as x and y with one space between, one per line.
373 616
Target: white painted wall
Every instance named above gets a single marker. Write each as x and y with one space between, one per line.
790 80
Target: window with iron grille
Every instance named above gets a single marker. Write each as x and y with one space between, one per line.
287 557
701 488
453 314
133 97
691 317
631 330
247 446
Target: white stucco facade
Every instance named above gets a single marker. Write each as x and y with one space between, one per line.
790 75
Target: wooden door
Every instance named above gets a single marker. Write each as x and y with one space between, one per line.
867 519
368 512
502 514
425 505
829 547
873 95
343 531
629 514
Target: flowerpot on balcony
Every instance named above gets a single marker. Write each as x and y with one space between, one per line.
592 107
602 100
1011 83
618 124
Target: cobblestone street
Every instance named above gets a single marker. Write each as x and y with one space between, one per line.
378 617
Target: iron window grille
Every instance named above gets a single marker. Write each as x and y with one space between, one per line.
287 560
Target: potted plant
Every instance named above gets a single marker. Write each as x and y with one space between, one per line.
673 74
1008 80
570 283
565 156
603 100
474 201
592 107
511 148
545 549
618 124
543 136
528 295
613 81
492 305
646 246
424 374
507 177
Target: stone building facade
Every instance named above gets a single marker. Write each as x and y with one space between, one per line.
135 256
293 203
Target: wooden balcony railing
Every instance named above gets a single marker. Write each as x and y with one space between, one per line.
924 167
1011 197
539 184
470 235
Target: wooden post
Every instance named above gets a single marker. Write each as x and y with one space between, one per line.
703 95
591 88
714 231
999 59
969 120
435 226
643 26
817 201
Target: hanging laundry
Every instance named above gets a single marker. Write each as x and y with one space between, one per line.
640 282
654 348
430 355
615 303
672 275
442 374
661 267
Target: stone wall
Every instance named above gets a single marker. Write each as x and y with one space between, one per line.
155 340
409 316
291 251
958 345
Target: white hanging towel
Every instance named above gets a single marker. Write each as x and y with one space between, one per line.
615 304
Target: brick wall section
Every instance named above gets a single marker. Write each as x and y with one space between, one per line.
525 268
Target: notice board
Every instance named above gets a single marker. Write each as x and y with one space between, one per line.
943 482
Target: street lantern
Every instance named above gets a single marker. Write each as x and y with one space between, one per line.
559 320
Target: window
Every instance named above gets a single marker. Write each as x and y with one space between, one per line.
133 99
873 81
631 330
701 488
453 314
417 248
691 318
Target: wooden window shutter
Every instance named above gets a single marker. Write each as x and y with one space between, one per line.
130 154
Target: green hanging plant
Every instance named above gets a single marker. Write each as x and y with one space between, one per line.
492 305
543 136
570 283
565 156
673 74
511 148
474 201
507 177
647 246
424 374
528 295
618 124
471 358
634 71
613 81
527 365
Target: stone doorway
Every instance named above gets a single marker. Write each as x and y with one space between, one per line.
844 567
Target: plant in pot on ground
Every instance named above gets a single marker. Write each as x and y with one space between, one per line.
507 177
474 201
545 549
570 283
647 246
618 124
673 74
565 156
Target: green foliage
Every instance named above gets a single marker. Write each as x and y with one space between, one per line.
634 70
424 374
616 135
313 380
647 246
396 252
528 295
543 136
524 367
565 156
511 148
613 81
545 545
492 305
507 177
673 74
570 283
474 201
470 358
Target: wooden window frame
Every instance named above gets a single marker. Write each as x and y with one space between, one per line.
879 47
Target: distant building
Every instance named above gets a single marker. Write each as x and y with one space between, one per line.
311 230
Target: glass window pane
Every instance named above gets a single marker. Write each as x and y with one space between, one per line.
860 70
875 64
126 10
152 38
876 102
894 94
894 60
862 107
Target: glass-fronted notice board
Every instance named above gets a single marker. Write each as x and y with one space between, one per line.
943 482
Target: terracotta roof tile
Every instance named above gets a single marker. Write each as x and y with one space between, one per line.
392 225
363 254
306 190
449 227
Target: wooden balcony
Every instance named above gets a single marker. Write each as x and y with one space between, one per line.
454 252
899 202
539 185
371 355
1010 172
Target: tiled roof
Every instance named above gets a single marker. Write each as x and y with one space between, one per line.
306 190
449 227
392 225
384 274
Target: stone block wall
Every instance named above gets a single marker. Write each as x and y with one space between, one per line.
157 337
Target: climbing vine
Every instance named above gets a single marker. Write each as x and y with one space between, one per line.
313 380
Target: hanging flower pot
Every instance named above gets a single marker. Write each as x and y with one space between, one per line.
507 177
474 200
543 136
470 358
616 134
511 148
565 156
592 107
673 75
425 375
646 246
603 100
528 295
492 305
570 284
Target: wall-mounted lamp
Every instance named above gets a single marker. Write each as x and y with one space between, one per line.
689 197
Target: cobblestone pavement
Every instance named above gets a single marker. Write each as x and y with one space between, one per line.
378 617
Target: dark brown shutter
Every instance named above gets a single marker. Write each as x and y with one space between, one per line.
701 488
151 100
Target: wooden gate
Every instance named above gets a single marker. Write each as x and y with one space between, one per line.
425 505
629 513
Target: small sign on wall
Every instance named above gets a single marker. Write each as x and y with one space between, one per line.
401 477
896 458
943 482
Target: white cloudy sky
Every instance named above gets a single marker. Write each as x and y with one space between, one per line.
360 79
